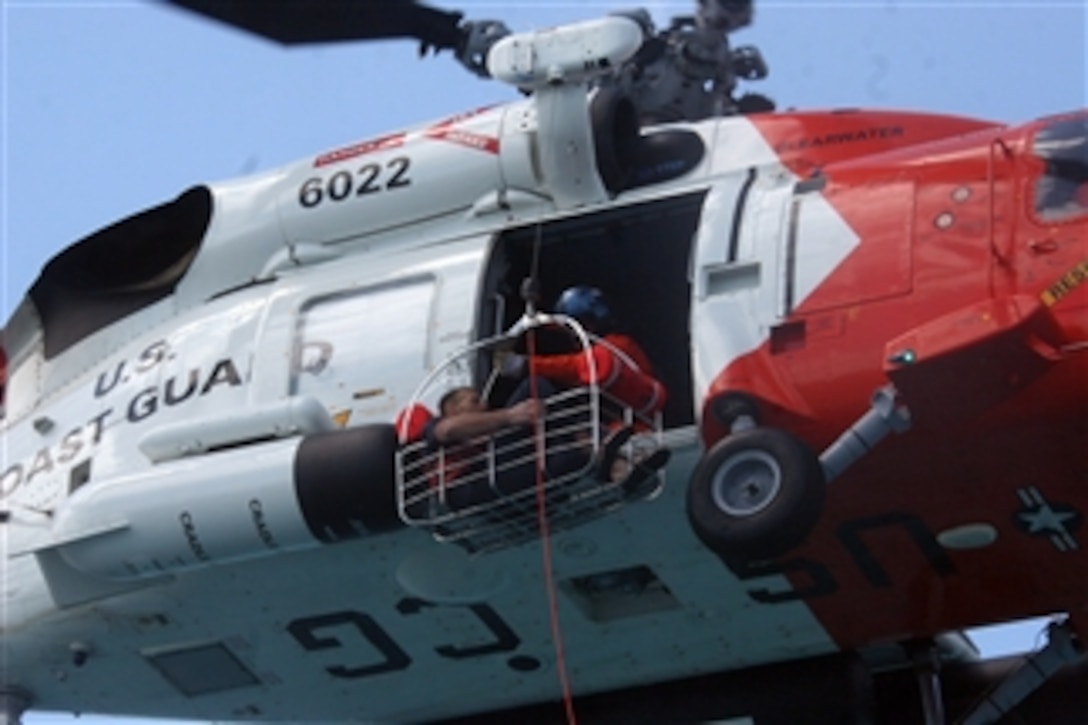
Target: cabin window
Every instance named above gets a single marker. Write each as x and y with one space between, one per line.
1062 192
348 346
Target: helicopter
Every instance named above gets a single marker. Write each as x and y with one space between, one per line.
132 426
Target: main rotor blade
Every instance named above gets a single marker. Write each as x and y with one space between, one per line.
295 22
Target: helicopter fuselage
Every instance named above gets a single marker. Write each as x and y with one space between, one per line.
168 514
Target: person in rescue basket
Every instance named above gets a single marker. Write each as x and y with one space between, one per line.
460 431
619 366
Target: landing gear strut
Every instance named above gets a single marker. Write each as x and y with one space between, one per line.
1061 649
927 668
883 417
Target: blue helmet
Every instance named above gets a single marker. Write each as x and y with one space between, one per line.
587 305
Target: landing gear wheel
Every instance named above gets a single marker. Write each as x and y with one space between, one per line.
756 494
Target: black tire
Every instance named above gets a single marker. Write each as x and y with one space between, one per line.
756 494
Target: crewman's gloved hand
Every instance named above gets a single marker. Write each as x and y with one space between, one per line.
513 366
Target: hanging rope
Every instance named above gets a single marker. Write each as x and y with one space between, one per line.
530 293
546 544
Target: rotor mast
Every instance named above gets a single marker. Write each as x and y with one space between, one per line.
685 72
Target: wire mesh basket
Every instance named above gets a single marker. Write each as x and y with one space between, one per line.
497 491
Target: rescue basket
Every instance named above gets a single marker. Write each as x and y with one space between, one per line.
492 493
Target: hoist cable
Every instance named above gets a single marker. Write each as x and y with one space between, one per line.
529 292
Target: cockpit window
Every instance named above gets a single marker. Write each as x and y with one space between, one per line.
1062 192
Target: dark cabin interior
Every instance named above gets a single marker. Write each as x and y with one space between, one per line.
637 255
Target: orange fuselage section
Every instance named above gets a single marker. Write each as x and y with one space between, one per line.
965 292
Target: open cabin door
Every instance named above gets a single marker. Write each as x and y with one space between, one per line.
638 255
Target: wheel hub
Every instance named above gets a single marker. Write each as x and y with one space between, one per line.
747 483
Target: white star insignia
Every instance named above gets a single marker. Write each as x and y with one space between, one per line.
1045 518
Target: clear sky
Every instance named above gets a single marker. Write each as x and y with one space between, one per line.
107 108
